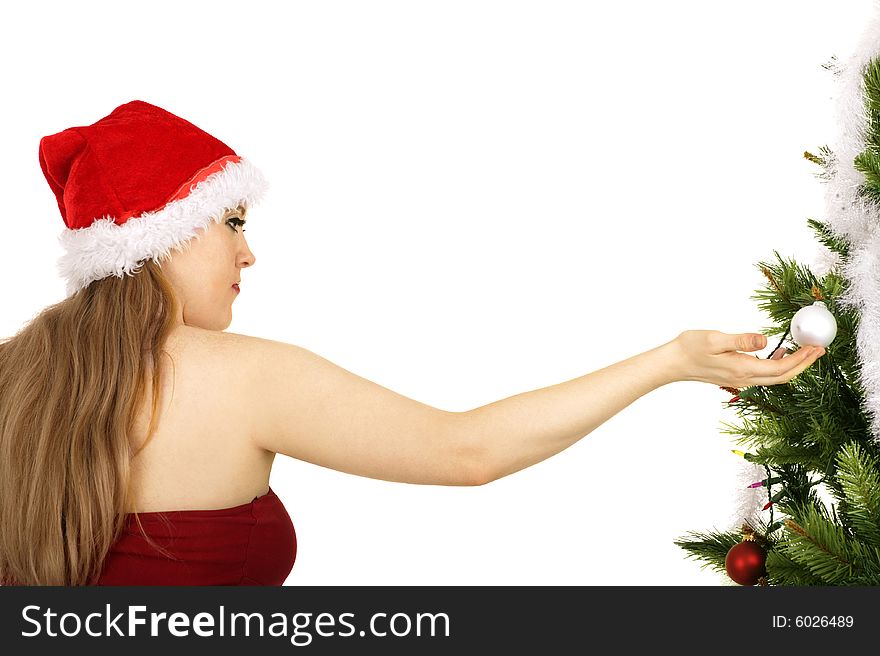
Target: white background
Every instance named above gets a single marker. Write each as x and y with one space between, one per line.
470 200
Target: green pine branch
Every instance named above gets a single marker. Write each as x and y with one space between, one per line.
868 161
709 547
826 160
782 570
816 542
860 482
833 243
871 86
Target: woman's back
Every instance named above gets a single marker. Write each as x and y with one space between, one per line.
200 456
200 485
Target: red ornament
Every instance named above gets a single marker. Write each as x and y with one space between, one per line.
745 562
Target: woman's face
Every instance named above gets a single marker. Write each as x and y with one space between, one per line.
203 274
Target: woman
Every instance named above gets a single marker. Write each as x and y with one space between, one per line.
137 438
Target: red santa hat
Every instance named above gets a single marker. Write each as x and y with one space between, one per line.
137 184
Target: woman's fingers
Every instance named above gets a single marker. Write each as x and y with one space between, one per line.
739 342
716 357
783 369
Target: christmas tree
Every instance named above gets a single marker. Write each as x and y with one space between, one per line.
810 515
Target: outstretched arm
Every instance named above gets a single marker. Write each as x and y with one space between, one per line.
306 407
521 430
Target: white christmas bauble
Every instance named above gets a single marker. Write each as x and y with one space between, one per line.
813 325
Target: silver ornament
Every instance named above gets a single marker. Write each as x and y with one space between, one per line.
813 325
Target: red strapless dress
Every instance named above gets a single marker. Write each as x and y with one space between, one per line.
250 544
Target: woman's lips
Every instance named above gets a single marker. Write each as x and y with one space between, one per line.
235 287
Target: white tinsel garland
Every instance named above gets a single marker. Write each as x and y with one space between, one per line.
855 218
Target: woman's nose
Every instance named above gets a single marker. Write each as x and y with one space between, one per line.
248 258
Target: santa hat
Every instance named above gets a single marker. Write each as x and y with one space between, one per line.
137 184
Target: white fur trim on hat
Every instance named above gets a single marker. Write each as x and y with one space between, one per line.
105 248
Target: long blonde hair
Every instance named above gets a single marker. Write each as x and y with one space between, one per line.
71 383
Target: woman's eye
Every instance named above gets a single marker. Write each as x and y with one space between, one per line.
233 223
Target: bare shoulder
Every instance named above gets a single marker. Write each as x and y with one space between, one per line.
241 356
201 454
222 342
237 366
224 351
211 369
304 406
263 378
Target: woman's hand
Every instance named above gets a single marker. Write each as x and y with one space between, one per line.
710 356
